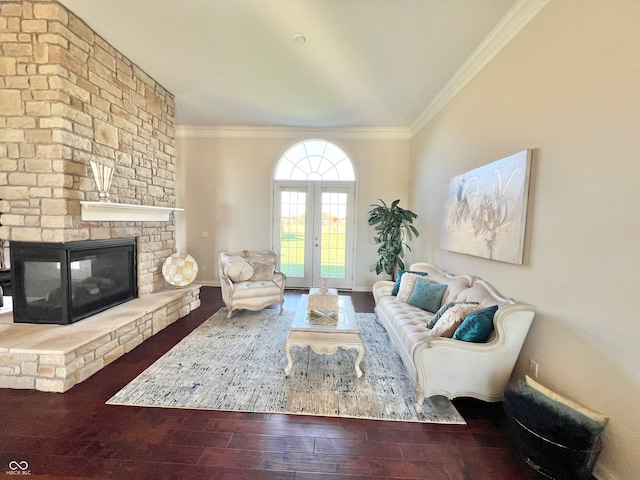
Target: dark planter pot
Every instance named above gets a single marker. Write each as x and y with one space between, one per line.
552 459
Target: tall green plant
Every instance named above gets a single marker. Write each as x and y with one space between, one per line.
393 226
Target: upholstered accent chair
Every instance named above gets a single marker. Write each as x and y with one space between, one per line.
251 280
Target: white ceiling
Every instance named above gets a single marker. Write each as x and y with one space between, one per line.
365 63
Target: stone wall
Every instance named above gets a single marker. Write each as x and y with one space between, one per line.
68 97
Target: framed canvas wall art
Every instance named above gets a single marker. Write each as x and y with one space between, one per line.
485 210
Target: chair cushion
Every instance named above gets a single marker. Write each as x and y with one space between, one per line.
259 289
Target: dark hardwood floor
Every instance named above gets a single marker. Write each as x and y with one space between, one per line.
75 435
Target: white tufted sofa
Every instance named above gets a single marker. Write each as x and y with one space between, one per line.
449 367
250 280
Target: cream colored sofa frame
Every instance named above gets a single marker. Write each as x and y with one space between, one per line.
250 295
454 368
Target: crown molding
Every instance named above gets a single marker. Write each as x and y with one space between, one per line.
516 18
363 133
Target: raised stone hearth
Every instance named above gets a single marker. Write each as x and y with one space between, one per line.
54 358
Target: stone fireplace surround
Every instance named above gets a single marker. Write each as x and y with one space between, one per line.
69 97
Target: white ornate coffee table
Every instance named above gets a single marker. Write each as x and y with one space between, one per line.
323 338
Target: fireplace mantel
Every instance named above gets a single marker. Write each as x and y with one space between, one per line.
124 212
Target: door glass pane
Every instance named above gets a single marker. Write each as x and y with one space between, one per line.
333 235
292 231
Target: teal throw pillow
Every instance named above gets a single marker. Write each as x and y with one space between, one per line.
541 418
574 423
396 287
477 326
427 295
432 323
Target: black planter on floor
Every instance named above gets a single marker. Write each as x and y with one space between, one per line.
553 438
552 459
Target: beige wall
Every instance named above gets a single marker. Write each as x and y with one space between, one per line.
224 184
567 86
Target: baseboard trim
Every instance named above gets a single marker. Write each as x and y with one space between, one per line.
601 473
208 283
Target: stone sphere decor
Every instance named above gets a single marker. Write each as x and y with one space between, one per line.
180 269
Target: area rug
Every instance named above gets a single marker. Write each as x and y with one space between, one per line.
238 364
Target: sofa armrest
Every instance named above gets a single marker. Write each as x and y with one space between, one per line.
279 279
479 370
226 287
382 288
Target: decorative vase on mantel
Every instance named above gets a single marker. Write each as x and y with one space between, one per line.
103 175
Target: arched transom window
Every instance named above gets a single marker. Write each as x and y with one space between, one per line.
315 160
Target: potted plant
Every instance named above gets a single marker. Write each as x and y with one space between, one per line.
393 225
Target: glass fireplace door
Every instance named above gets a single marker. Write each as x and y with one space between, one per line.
62 283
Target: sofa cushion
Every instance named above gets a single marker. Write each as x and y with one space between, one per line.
399 275
427 295
451 320
406 286
476 293
443 309
239 271
262 270
456 285
408 322
477 326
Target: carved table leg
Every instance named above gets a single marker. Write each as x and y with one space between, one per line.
287 352
420 396
358 360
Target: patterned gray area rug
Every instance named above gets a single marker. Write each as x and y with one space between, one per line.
238 365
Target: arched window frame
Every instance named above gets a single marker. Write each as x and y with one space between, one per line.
315 160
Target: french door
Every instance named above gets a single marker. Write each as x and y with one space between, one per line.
314 233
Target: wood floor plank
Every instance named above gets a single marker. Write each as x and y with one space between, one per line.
360 448
279 443
354 465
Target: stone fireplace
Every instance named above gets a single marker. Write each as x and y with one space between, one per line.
69 98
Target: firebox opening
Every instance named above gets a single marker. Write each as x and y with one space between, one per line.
62 283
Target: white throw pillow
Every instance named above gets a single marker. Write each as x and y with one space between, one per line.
452 318
239 271
262 270
407 282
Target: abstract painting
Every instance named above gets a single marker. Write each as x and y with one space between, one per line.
485 210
